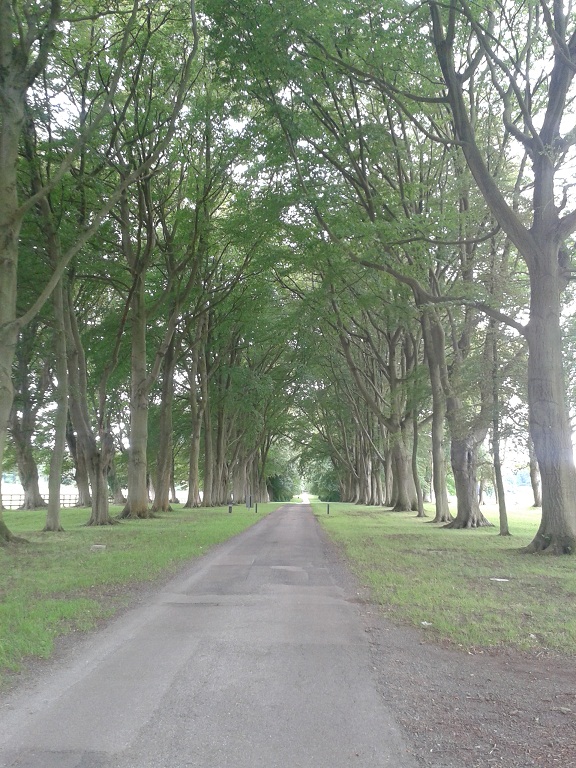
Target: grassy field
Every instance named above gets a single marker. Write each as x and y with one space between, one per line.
56 583
472 588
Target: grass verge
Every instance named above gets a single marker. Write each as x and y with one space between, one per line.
472 588
56 583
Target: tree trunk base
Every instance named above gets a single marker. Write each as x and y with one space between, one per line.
442 519
167 508
106 521
32 507
57 529
480 522
143 514
543 544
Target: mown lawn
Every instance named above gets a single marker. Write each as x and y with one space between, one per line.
472 588
56 583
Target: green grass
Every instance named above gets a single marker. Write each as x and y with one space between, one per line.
442 579
55 583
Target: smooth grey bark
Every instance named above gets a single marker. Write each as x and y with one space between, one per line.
434 342
80 469
61 416
54 253
415 474
138 259
21 430
464 460
29 396
165 437
96 451
207 485
500 492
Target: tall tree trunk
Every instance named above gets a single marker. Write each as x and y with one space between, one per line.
208 458
500 493
415 473
61 417
220 494
503 514
114 485
464 458
193 499
99 463
80 469
164 455
21 430
97 457
434 343
240 480
197 399
549 420
173 497
137 503
11 123
401 469
534 475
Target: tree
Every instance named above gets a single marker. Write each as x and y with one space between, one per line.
27 43
511 42
466 57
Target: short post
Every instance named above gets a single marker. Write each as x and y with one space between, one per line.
256 508
229 509
327 509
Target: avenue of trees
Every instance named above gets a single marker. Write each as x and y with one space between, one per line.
238 236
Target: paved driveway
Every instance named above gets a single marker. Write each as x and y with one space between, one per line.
254 657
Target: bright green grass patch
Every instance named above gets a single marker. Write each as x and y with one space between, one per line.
55 583
446 580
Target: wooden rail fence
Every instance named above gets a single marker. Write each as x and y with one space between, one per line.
16 500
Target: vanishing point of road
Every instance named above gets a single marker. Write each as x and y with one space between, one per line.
255 656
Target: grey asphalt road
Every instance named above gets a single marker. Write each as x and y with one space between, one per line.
254 657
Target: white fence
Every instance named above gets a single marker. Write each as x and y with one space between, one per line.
16 500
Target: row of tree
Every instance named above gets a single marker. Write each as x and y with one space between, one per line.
344 223
434 145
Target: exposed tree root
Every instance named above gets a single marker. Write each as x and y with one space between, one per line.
469 524
168 508
7 537
127 514
442 519
108 521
